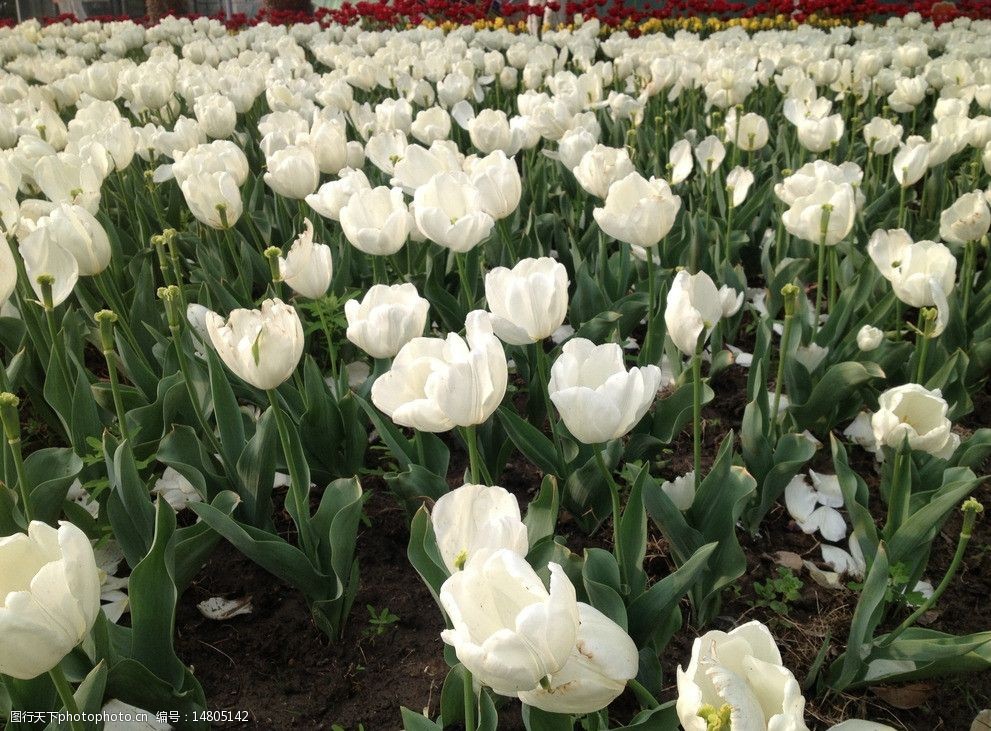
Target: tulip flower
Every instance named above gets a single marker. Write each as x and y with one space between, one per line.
966 220
600 167
915 413
882 136
43 257
528 302
498 183
333 196
474 521
509 631
735 680
637 211
694 306
710 154
213 198
51 590
376 220
869 338
437 384
911 162
680 161
386 319
431 125
216 115
292 172
603 660
597 398
750 134
449 211
77 231
307 267
262 347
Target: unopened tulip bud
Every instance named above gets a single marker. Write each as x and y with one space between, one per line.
790 294
272 253
106 319
9 416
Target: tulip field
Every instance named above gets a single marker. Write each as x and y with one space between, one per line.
402 367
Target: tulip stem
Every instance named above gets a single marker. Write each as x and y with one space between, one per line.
790 294
967 274
900 490
697 411
475 466
12 430
540 356
923 335
819 285
971 508
469 700
651 305
901 206
68 699
616 512
299 486
466 285
379 272
331 350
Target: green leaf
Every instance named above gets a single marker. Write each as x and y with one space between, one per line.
602 582
49 473
535 719
131 513
423 553
531 442
230 422
542 513
649 611
272 553
870 608
256 473
672 413
418 722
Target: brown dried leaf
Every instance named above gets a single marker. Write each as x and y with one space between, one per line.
910 695
788 559
929 617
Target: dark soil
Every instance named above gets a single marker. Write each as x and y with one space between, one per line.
276 665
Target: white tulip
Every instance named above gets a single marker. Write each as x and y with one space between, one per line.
603 660
50 586
911 161
869 338
508 630
680 161
637 211
213 198
736 680
528 302
474 521
912 411
448 210
437 384
831 204
307 267
263 346
681 490
597 398
922 274
738 182
43 256
966 220
498 183
333 196
376 220
386 318
710 154
693 308
216 115
292 172
600 167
